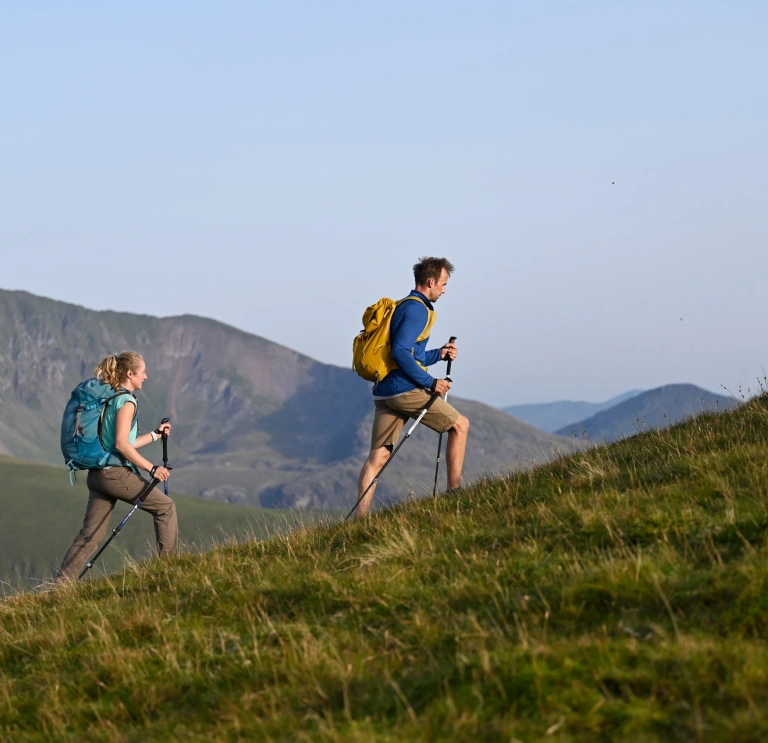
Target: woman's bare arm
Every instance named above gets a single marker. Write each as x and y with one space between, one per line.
123 422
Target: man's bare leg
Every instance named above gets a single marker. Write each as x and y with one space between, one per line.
376 460
455 451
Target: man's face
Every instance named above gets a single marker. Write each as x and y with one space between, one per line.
437 288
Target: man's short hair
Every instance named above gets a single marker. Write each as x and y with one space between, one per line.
431 268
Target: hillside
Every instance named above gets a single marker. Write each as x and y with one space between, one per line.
551 416
41 514
658 408
254 422
614 594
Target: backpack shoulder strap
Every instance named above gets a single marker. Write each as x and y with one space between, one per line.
431 317
120 393
134 422
411 297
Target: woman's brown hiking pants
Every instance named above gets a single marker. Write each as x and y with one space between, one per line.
106 487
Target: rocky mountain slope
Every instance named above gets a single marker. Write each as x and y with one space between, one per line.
254 422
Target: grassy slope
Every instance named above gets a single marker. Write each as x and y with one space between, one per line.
616 594
41 514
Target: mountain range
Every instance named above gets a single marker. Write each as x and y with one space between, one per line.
552 416
253 421
657 408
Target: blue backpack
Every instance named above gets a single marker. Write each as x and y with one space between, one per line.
81 442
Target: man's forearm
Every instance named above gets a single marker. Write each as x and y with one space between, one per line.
433 356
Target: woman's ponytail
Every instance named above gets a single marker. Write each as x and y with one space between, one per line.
113 369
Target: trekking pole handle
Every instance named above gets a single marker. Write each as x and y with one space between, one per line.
165 440
452 339
165 453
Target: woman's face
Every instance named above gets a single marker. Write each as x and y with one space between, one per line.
136 378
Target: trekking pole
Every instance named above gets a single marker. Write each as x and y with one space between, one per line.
397 448
165 453
146 490
452 339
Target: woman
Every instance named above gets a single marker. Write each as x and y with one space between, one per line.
120 480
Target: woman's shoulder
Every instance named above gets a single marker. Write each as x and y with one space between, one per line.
122 397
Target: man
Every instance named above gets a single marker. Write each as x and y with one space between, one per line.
405 391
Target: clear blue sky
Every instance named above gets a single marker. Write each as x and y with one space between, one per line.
596 171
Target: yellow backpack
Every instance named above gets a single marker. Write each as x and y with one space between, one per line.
371 352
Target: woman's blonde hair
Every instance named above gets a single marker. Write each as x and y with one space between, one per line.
114 369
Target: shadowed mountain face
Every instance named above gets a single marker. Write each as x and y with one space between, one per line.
252 420
657 408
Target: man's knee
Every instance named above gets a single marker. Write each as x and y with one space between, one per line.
461 426
379 456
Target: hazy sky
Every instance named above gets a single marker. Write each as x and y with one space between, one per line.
597 171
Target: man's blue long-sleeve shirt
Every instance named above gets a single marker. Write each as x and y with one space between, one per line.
408 322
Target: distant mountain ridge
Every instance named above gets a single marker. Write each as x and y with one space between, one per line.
254 422
551 416
657 408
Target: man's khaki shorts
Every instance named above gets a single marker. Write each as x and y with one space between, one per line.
392 414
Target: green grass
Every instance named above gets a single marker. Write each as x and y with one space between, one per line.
41 514
616 594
